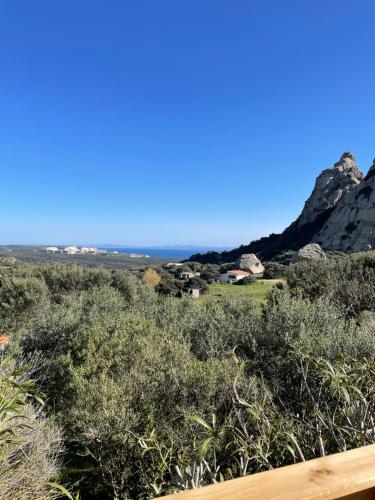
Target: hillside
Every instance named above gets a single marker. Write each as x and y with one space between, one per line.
336 189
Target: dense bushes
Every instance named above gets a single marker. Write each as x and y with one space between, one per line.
160 394
122 374
20 299
347 281
274 270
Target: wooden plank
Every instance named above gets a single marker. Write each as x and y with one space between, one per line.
344 475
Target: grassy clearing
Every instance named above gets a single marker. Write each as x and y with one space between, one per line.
257 291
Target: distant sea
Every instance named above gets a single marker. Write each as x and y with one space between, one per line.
162 253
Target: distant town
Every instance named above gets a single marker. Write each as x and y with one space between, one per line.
73 250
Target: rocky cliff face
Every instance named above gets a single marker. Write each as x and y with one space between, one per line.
328 201
330 186
351 226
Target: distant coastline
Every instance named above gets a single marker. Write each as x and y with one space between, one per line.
91 251
177 253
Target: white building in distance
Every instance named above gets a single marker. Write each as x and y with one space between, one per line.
71 250
233 276
51 249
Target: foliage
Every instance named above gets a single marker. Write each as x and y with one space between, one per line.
347 281
274 270
30 444
210 273
170 287
20 297
197 282
157 394
247 280
151 277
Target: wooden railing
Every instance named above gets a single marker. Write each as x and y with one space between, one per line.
348 475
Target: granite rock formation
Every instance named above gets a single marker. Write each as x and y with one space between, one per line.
338 215
249 262
309 252
330 186
351 226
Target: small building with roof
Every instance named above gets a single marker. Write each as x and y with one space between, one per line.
52 249
233 276
193 292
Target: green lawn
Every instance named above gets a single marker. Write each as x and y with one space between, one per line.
256 291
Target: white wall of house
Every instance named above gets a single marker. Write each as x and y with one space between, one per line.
231 278
194 292
187 275
223 278
52 249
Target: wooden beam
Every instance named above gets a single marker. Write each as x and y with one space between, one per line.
349 475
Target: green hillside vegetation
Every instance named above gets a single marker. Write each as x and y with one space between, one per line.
268 247
38 255
147 388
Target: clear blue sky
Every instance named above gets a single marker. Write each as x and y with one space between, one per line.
173 121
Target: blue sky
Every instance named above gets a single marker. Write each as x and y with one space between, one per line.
176 122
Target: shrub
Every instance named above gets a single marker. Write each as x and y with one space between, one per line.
20 300
274 270
349 282
247 280
196 282
30 443
170 287
151 277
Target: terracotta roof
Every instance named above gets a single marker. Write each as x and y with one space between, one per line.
4 339
239 272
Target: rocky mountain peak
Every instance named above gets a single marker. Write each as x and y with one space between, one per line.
351 226
346 159
339 215
330 186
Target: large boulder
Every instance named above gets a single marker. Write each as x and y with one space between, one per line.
249 262
309 252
